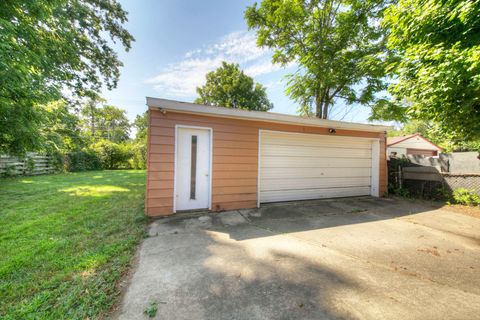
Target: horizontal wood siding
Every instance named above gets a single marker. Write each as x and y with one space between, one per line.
235 158
235 163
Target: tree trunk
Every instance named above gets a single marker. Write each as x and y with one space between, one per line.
326 105
319 106
92 120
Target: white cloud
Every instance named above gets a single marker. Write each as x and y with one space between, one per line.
264 66
180 79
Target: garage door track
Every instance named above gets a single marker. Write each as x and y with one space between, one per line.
355 258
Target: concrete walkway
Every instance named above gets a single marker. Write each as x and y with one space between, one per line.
356 258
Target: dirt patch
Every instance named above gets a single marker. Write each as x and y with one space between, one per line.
466 210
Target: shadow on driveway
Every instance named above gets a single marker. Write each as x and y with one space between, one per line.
352 258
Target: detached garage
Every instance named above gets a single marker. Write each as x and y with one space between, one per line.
202 157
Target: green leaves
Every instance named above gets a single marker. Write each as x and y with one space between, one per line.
437 48
336 43
141 126
47 47
105 122
229 87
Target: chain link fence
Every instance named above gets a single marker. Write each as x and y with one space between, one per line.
454 181
428 181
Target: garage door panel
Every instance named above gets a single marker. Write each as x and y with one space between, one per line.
289 139
306 166
303 162
289 195
311 183
320 144
268 173
314 152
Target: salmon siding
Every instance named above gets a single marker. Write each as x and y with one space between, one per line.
234 163
234 158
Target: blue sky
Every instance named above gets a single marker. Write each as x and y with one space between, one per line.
179 41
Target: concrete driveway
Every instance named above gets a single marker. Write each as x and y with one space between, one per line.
355 258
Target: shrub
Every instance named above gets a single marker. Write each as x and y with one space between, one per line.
10 170
112 155
139 156
401 192
84 160
57 160
442 194
466 197
29 165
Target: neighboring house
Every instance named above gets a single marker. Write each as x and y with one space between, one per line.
203 157
413 144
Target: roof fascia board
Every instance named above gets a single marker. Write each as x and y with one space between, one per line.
186 107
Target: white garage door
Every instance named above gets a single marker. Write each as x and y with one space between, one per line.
297 166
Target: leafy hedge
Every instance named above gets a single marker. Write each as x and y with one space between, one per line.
139 156
113 155
85 160
106 154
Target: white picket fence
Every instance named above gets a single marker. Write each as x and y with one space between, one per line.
15 166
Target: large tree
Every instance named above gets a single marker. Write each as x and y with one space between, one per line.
436 44
337 45
139 145
114 124
230 87
62 130
105 122
141 126
50 47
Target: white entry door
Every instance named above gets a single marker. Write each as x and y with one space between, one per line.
192 171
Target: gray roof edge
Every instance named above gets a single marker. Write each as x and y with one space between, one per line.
193 108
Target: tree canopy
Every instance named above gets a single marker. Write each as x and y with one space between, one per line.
436 71
337 45
433 132
107 122
141 126
230 87
50 47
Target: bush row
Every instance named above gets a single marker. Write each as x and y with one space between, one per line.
106 155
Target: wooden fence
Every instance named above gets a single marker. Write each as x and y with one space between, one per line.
32 164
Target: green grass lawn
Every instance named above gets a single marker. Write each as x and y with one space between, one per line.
66 240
